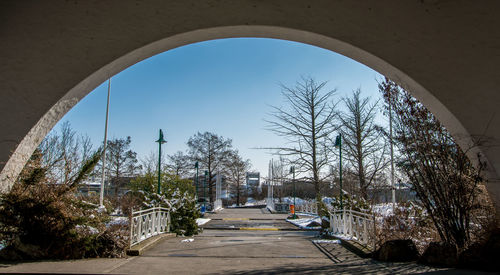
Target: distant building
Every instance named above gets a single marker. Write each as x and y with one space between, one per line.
253 179
116 187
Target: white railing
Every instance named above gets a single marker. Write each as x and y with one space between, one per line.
353 224
148 223
307 208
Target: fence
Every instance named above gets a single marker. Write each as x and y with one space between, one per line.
148 223
307 208
359 226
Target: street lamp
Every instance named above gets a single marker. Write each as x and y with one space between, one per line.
292 171
160 142
338 143
196 180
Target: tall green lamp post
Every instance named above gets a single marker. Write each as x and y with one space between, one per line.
338 143
292 170
196 180
160 141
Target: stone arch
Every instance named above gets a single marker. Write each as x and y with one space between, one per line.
100 40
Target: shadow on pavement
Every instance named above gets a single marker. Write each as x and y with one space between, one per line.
364 267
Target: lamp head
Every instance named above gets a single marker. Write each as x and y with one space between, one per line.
338 141
161 139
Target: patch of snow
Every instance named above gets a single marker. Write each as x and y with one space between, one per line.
118 220
92 230
303 222
326 241
306 214
202 221
341 236
298 201
187 241
383 209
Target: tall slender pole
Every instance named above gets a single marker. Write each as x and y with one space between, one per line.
196 181
392 155
160 141
294 187
159 167
103 172
340 173
204 194
293 181
338 143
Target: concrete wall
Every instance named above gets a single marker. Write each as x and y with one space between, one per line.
52 53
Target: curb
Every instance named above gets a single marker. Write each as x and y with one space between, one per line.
138 249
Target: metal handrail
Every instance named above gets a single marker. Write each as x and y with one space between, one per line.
147 223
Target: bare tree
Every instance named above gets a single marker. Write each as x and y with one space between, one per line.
307 124
236 169
149 163
121 161
363 141
210 150
280 173
64 152
180 164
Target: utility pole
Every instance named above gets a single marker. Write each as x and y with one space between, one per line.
392 155
160 142
103 171
204 194
338 143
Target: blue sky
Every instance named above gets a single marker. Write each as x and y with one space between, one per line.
223 86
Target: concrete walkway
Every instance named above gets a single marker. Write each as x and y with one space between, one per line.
222 251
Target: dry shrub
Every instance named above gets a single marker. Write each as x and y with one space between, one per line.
408 222
40 220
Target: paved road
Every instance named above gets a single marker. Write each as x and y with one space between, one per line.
258 249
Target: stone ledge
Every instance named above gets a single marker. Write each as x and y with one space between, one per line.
138 249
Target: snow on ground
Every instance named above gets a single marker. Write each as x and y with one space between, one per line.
298 201
326 241
342 236
202 221
304 222
252 202
306 214
383 209
187 241
118 220
91 229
